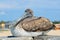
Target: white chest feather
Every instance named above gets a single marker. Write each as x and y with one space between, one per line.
21 32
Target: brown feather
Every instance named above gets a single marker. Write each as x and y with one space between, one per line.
36 24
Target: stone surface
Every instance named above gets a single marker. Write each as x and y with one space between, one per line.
35 38
17 38
47 38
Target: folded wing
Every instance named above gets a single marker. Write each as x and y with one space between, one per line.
35 24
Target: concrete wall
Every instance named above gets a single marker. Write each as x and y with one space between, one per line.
35 38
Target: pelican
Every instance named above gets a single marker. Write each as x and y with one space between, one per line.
30 25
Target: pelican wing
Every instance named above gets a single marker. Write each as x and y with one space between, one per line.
39 23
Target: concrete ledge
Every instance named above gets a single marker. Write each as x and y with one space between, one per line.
30 38
47 38
17 38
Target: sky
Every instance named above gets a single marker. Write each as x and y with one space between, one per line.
14 9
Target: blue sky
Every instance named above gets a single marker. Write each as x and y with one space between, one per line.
13 9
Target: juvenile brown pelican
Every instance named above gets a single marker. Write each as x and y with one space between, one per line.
30 25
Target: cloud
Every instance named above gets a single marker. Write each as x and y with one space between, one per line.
9 4
5 6
2 13
18 4
45 4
